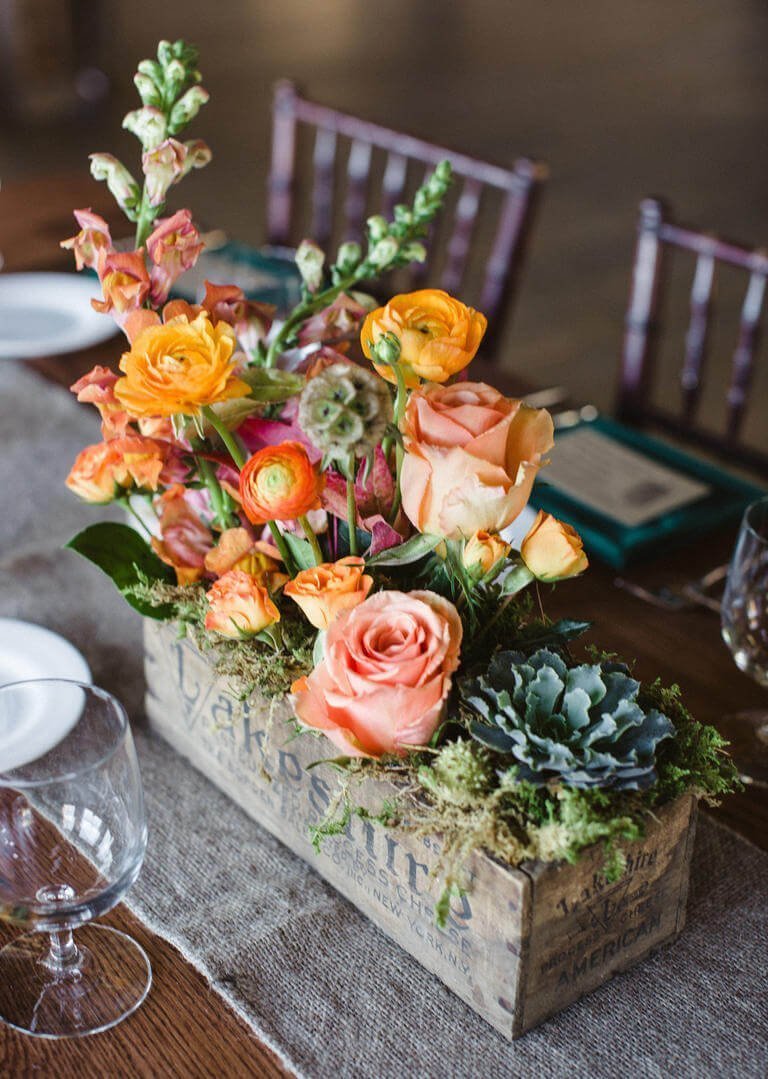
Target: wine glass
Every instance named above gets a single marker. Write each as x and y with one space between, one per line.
744 614
72 839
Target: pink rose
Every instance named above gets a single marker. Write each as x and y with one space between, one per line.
471 458
385 674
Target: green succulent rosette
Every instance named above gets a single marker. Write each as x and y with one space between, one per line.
582 726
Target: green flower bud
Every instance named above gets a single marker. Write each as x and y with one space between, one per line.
383 252
175 72
164 52
148 91
121 184
148 125
387 349
403 215
413 252
345 411
187 107
460 774
309 259
348 257
378 227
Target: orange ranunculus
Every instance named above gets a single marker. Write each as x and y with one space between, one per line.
438 335
97 473
471 458
324 591
279 483
239 606
552 550
237 549
483 551
179 367
98 388
385 674
185 539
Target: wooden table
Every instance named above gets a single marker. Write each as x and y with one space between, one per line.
184 1028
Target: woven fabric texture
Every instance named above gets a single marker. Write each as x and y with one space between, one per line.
314 978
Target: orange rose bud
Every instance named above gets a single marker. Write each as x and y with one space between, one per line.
483 551
279 483
438 335
176 368
552 550
239 606
324 591
97 474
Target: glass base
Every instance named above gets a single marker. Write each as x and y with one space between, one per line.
748 734
108 981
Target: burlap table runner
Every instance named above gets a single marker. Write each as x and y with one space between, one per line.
314 979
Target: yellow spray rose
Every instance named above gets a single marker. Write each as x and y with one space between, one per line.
438 335
178 367
482 551
552 550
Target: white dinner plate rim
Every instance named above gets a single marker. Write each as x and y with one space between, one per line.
92 328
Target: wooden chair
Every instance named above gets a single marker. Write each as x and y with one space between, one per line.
656 235
518 188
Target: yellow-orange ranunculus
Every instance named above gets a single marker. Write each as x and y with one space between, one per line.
96 474
471 458
237 549
438 335
483 551
279 483
324 591
178 367
552 550
238 606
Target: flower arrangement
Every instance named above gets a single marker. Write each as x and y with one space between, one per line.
330 526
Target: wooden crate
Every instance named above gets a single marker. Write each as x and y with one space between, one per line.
520 945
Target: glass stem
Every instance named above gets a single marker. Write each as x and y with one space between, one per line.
64 955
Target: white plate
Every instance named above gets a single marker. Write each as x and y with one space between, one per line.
45 314
28 651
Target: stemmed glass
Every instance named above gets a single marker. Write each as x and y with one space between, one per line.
744 613
72 840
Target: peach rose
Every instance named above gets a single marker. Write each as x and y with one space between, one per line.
279 483
385 674
237 549
552 550
471 458
483 551
324 591
239 606
438 335
185 539
178 367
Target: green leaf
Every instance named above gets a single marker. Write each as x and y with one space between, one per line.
410 551
232 413
269 384
301 551
556 633
120 552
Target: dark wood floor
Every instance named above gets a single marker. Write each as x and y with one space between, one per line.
622 97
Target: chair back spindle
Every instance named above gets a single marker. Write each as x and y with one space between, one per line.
656 234
516 189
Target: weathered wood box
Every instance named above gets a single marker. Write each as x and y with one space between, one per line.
521 945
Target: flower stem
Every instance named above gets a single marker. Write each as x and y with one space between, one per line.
313 542
208 474
401 398
281 545
126 504
351 507
226 436
145 220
